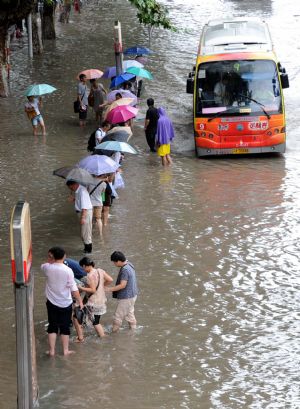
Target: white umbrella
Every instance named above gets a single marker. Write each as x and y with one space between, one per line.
131 63
98 164
116 146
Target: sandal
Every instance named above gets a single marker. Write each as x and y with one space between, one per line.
79 340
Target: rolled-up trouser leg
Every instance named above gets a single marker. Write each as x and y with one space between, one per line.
86 228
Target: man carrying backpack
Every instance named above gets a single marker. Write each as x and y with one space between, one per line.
97 136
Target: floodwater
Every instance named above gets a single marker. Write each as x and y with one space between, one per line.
215 242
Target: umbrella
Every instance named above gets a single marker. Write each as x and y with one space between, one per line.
111 96
140 72
116 103
81 176
121 114
39 89
132 63
112 71
116 146
141 59
119 102
91 74
125 76
136 50
98 164
118 133
63 172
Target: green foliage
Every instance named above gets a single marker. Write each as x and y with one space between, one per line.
152 14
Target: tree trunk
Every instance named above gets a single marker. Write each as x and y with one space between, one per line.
11 11
37 39
3 64
48 21
150 32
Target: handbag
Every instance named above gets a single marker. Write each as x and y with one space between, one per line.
91 100
79 314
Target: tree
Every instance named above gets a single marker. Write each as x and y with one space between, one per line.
152 14
48 20
10 12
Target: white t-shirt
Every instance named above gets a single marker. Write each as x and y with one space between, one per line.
82 199
95 197
34 104
99 135
59 284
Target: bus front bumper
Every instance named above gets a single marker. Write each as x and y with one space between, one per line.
239 151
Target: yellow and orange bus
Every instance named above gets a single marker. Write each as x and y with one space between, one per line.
237 86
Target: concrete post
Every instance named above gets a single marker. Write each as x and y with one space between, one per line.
118 47
29 34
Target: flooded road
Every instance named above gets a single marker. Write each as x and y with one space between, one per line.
215 242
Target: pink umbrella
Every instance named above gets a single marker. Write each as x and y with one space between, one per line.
121 113
91 74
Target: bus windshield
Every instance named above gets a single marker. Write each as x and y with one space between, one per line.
238 86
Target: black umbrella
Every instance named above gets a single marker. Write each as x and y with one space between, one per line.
75 174
120 136
63 172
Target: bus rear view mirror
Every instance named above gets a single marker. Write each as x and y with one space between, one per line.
190 85
284 80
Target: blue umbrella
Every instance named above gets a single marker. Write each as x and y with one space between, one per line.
39 89
120 79
137 51
116 146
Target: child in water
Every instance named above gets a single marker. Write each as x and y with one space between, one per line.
32 108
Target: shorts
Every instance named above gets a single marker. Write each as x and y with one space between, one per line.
96 320
97 210
108 200
164 150
59 319
37 120
83 114
125 310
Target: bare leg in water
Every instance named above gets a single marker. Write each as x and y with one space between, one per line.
79 330
164 161
65 344
105 214
169 160
100 331
52 341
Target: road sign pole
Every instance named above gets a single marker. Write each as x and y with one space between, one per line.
20 236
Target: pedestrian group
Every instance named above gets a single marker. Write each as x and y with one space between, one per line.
76 292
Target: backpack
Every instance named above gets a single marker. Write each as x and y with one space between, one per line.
91 142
